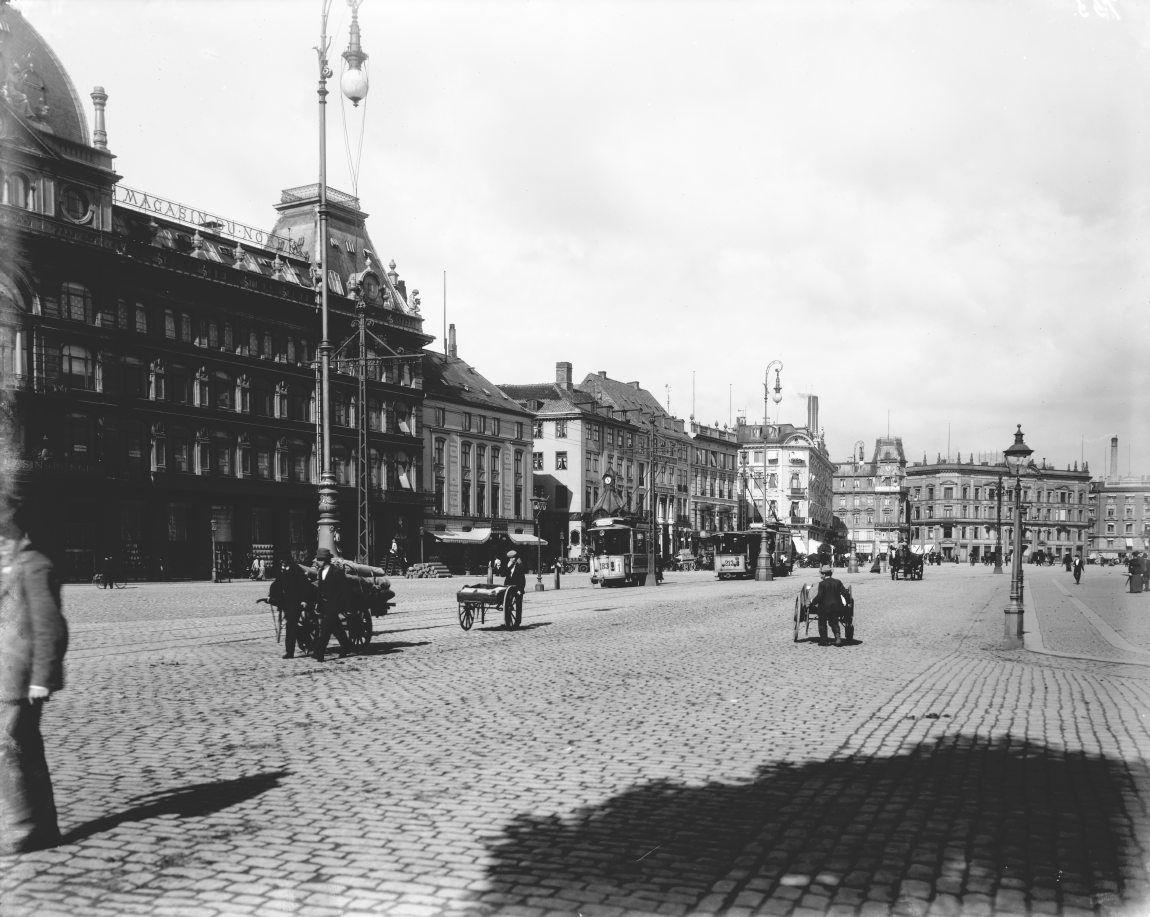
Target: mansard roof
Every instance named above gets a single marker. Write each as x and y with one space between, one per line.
455 379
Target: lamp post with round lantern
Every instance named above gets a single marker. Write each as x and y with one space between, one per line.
763 571
354 84
539 504
1016 456
998 529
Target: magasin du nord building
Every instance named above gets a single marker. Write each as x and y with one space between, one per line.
160 358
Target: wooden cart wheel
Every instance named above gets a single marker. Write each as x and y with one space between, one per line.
466 617
366 627
798 615
849 623
307 629
512 608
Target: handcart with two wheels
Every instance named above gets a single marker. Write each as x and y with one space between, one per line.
473 602
805 611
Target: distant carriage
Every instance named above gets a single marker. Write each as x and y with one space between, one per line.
905 564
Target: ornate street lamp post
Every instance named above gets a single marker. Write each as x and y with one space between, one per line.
652 578
998 530
1016 456
763 571
539 504
354 84
215 569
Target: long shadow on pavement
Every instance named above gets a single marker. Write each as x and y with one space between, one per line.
946 825
185 802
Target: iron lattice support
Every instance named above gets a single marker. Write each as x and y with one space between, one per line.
363 466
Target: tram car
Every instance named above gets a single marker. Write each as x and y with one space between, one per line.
737 553
618 552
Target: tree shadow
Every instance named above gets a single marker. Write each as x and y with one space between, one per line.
956 823
185 802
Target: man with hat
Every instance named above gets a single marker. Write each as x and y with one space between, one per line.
516 577
830 602
331 591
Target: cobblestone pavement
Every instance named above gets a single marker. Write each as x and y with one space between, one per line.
628 751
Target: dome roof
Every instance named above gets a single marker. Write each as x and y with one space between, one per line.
34 82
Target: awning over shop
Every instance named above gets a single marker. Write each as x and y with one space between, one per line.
800 544
526 539
475 536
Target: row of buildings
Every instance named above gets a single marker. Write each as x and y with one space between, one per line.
161 362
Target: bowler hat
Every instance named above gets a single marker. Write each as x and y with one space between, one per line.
825 570
512 554
323 554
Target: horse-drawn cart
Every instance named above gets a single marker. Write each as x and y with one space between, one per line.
805 611
474 601
905 564
368 596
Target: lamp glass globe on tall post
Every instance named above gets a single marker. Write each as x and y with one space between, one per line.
763 568
354 84
1016 455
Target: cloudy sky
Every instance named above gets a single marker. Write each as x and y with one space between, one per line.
933 213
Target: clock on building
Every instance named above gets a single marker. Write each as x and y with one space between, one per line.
608 479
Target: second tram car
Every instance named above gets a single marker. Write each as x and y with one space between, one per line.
737 553
618 552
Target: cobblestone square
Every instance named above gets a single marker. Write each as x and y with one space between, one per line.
628 751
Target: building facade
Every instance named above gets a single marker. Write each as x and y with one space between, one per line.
161 359
664 441
955 508
713 500
870 497
788 475
1120 507
577 439
477 461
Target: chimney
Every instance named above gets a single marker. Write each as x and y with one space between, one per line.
1114 457
451 351
602 374
563 375
99 132
813 413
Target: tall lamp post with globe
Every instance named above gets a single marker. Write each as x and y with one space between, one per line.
1016 456
539 504
354 84
763 572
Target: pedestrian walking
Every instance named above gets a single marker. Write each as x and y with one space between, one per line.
1144 565
33 640
331 597
1078 565
108 572
516 578
1134 572
830 602
290 591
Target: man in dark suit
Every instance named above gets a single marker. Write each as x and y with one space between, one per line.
331 590
830 603
516 577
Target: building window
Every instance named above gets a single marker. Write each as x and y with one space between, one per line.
441 417
537 461
560 461
466 421
481 422
78 368
561 431
76 302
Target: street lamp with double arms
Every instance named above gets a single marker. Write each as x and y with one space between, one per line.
354 84
1016 456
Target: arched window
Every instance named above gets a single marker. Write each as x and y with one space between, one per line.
21 191
281 400
158 451
202 463
156 379
201 397
281 459
243 402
